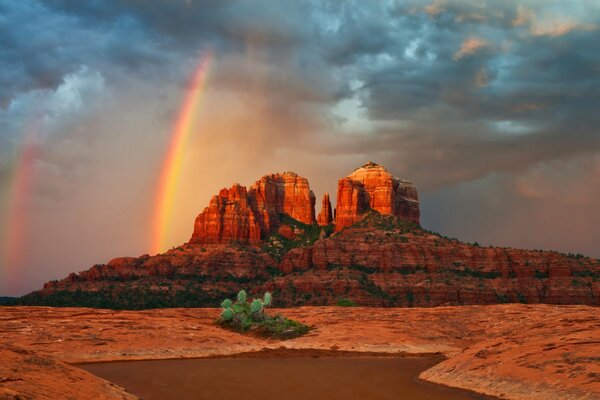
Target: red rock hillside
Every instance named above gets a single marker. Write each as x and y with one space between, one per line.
374 253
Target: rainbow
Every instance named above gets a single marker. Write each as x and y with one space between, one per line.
13 243
172 165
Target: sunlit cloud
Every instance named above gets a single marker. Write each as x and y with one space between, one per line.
469 47
559 27
524 16
435 8
549 24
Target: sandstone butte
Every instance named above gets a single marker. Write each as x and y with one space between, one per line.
372 187
373 252
512 351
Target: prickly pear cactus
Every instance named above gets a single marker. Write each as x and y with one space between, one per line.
227 314
256 306
226 304
242 296
267 299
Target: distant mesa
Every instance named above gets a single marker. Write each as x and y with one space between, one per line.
370 250
250 215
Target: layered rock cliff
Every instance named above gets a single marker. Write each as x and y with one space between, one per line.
266 238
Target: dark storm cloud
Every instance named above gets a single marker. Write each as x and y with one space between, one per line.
471 81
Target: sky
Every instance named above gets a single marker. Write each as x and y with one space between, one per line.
491 108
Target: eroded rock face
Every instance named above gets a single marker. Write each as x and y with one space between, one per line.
373 187
246 216
351 203
325 216
286 193
228 217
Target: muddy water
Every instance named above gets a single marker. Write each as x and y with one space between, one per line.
323 378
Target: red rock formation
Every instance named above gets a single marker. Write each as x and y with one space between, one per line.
228 217
407 202
351 203
325 216
287 232
286 193
373 187
246 216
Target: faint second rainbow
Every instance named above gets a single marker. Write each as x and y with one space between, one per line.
16 210
172 165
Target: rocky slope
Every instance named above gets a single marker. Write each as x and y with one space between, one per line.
266 238
513 351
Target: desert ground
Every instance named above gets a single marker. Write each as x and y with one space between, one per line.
511 351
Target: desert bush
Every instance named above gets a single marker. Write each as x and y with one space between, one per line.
344 302
243 316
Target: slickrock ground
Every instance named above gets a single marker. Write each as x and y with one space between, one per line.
25 374
511 351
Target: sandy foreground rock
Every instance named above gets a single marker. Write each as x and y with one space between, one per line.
511 351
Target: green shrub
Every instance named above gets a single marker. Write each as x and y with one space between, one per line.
541 274
256 306
242 316
344 302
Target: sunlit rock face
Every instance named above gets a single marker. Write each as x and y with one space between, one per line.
228 217
247 215
287 193
373 187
